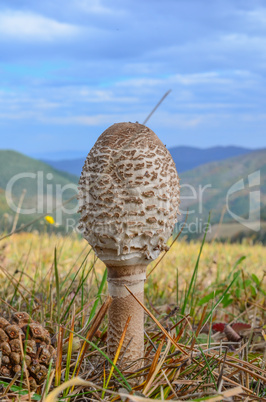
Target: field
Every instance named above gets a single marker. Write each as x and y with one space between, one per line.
59 281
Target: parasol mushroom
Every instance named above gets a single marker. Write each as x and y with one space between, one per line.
129 197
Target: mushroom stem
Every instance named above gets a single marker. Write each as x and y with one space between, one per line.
123 306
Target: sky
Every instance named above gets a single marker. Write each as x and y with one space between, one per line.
69 69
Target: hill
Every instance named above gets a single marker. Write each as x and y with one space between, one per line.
202 189
73 166
186 158
206 189
236 233
43 187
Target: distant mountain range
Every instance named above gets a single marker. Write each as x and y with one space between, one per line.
208 182
186 158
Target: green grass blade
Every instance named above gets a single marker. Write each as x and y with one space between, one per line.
208 366
106 357
73 265
100 290
48 378
66 293
84 278
194 275
57 285
221 298
177 287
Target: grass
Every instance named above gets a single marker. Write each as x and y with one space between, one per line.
60 282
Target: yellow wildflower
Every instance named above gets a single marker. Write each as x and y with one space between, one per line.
49 219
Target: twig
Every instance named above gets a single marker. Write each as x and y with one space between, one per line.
18 210
156 107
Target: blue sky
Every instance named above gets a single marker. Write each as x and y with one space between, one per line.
69 69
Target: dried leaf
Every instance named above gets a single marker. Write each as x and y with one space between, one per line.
218 327
240 326
231 334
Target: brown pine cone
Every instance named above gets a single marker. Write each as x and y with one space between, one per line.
37 347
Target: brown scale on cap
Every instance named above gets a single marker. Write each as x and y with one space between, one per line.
129 197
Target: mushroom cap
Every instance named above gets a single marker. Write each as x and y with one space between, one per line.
128 195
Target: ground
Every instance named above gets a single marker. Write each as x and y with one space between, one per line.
57 278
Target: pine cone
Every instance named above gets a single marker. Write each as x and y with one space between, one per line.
37 348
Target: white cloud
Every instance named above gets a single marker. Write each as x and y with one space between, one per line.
95 7
140 82
256 17
33 27
254 117
43 104
18 115
236 41
83 120
201 78
97 95
176 120
164 119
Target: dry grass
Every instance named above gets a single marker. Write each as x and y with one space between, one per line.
70 290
